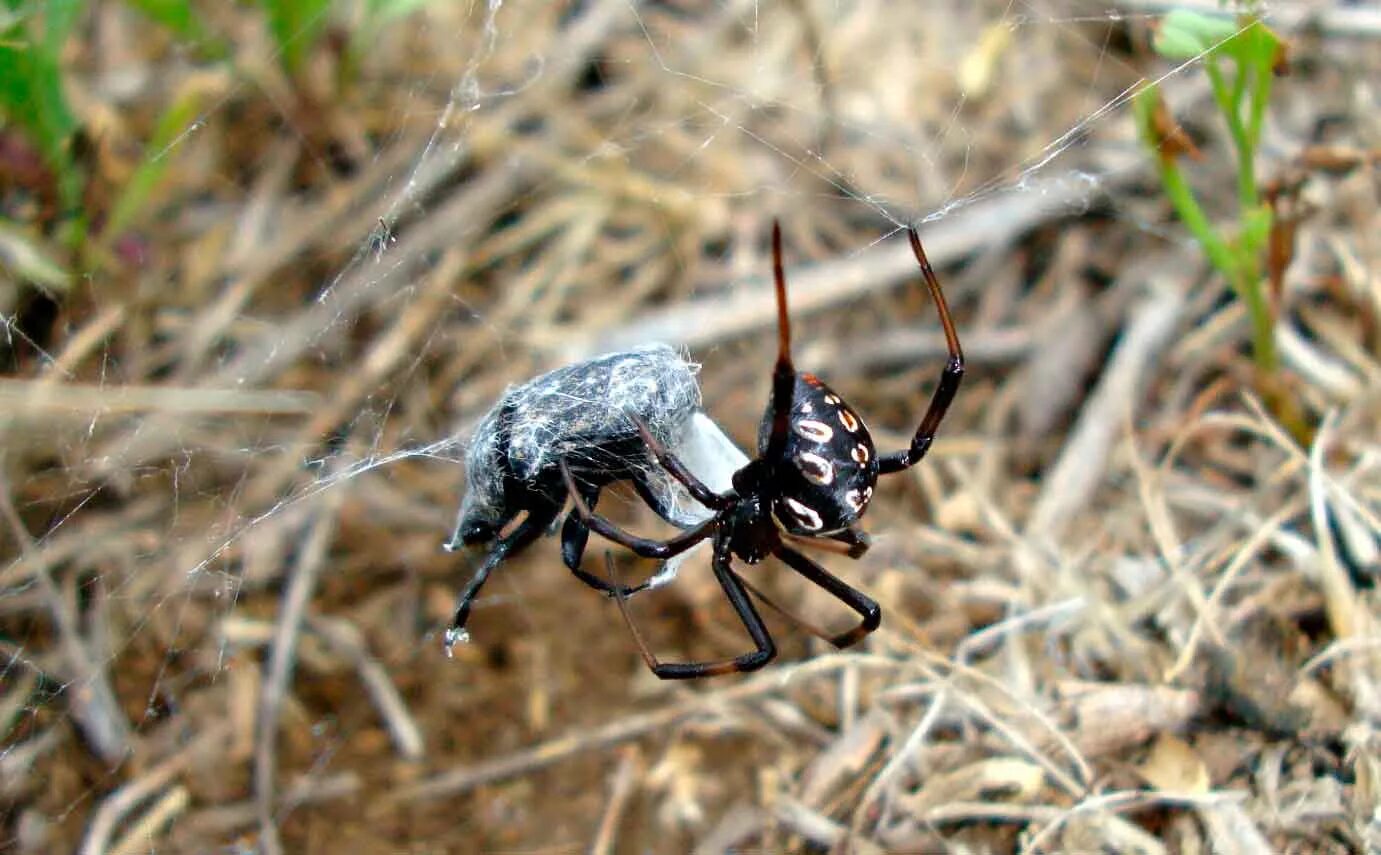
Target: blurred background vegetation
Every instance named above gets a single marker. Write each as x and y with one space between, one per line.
262 265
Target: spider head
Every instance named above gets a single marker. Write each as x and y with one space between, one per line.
824 479
753 534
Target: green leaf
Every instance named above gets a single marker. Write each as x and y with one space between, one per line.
176 15
296 25
1144 106
382 11
1177 44
1256 45
60 18
1185 35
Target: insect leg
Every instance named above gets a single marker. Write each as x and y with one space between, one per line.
527 531
575 534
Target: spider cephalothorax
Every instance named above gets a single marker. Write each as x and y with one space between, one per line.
813 478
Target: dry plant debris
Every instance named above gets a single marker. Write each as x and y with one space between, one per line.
1125 610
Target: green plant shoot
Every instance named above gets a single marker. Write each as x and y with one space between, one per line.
32 36
1240 59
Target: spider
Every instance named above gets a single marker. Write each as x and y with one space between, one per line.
813 478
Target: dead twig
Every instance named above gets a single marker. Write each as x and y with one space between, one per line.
1071 482
91 696
143 835
115 807
632 727
346 640
620 789
749 307
282 655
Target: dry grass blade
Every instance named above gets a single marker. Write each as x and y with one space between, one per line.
1072 480
820 287
620 790
118 805
92 699
623 730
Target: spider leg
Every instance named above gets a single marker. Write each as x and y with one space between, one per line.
575 535
856 600
657 502
764 650
784 373
852 541
527 531
643 546
812 628
697 488
949 379
857 539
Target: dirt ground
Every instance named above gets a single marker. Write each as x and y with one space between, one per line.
1128 597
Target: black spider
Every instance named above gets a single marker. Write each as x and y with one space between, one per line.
813 478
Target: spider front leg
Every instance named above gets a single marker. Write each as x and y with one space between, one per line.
672 464
784 372
764 650
855 541
949 378
646 547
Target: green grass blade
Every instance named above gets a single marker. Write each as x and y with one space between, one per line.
176 15
296 25
175 121
25 258
31 93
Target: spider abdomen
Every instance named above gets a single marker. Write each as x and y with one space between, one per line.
830 465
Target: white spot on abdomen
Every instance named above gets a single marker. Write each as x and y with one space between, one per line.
817 469
813 430
809 518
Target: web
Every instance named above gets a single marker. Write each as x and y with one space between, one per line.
228 477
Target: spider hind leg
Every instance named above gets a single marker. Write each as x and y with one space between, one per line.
869 612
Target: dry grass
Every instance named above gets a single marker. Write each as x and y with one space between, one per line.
1125 611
